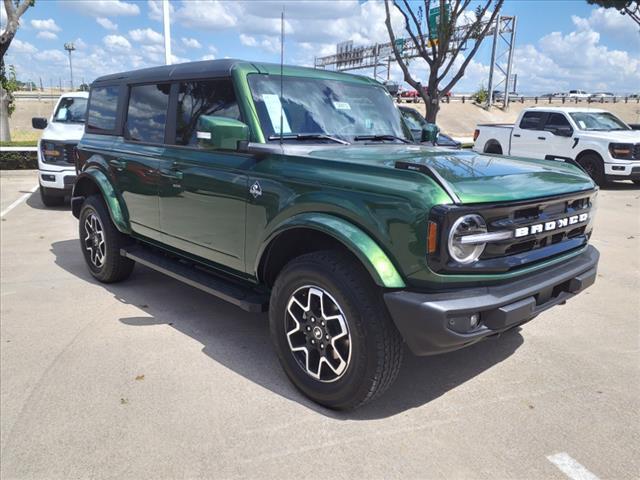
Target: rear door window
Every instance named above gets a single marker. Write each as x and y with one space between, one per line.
532 120
147 113
204 97
103 106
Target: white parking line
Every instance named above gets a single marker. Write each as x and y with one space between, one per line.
570 467
18 201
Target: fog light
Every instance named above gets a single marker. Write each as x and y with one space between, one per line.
464 324
48 178
617 167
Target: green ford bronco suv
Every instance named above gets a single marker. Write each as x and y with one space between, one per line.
301 194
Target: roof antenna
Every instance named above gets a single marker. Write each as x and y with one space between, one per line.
281 73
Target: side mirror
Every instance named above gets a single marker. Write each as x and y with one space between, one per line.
220 133
563 131
39 123
430 133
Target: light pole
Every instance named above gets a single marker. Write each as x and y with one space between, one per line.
167 31
69 47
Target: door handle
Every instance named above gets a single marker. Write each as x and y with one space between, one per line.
542 138
516 135
118 164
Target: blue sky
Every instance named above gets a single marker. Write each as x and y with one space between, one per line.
559 45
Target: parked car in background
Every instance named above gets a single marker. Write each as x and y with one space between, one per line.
392 87
499 94
602 144
56 147
409 96
577 94
418 125
599 95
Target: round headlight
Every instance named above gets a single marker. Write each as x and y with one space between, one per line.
466 225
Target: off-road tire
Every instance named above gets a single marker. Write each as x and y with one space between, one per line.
592 164
49 199
376 345
114 267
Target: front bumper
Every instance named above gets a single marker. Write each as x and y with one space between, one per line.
425 319
628 170
61 180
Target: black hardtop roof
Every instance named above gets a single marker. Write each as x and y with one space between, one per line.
212 68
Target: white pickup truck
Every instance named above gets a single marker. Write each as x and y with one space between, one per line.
601 143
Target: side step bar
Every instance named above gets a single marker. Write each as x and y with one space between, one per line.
245 298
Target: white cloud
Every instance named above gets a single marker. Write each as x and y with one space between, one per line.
104 22
191 42
80 44
104 8
155 10
116 43
18 46
146 36
609 22
48 24
206 14
45 35
51 56
248 40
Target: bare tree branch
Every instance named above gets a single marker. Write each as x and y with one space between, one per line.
446 41
13 22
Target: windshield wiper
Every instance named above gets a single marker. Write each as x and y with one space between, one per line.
380 137
308 136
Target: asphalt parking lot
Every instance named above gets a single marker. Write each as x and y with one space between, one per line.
153 379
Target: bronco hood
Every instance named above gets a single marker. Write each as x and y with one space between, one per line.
472 177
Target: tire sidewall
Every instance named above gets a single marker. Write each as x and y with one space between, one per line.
596 162
87 209
353 381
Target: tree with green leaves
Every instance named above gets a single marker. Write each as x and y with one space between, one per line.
451 29
14 10
625 7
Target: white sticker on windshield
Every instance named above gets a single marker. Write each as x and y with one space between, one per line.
341 106
583 125
203 135
274 107
62 114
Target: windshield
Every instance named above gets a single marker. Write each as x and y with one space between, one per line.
598 121
314 107
71 110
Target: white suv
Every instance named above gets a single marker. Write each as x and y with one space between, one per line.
62 132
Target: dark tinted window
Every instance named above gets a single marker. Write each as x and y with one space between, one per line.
102 108
147 113
71 110
531 120
557 120
211 97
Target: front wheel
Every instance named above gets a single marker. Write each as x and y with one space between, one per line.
637 182
332 332
101 242
594 166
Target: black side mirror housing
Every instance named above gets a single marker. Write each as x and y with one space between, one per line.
563 131
39 123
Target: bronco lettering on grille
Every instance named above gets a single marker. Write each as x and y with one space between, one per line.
551 225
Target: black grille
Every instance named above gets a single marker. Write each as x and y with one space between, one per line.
636 151
506 255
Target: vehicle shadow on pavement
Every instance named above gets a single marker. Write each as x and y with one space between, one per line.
241 342
34 202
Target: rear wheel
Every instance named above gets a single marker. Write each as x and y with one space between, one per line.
101 242
594 166
51 198
332 332
493 147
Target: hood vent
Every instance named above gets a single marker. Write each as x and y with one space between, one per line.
433 174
